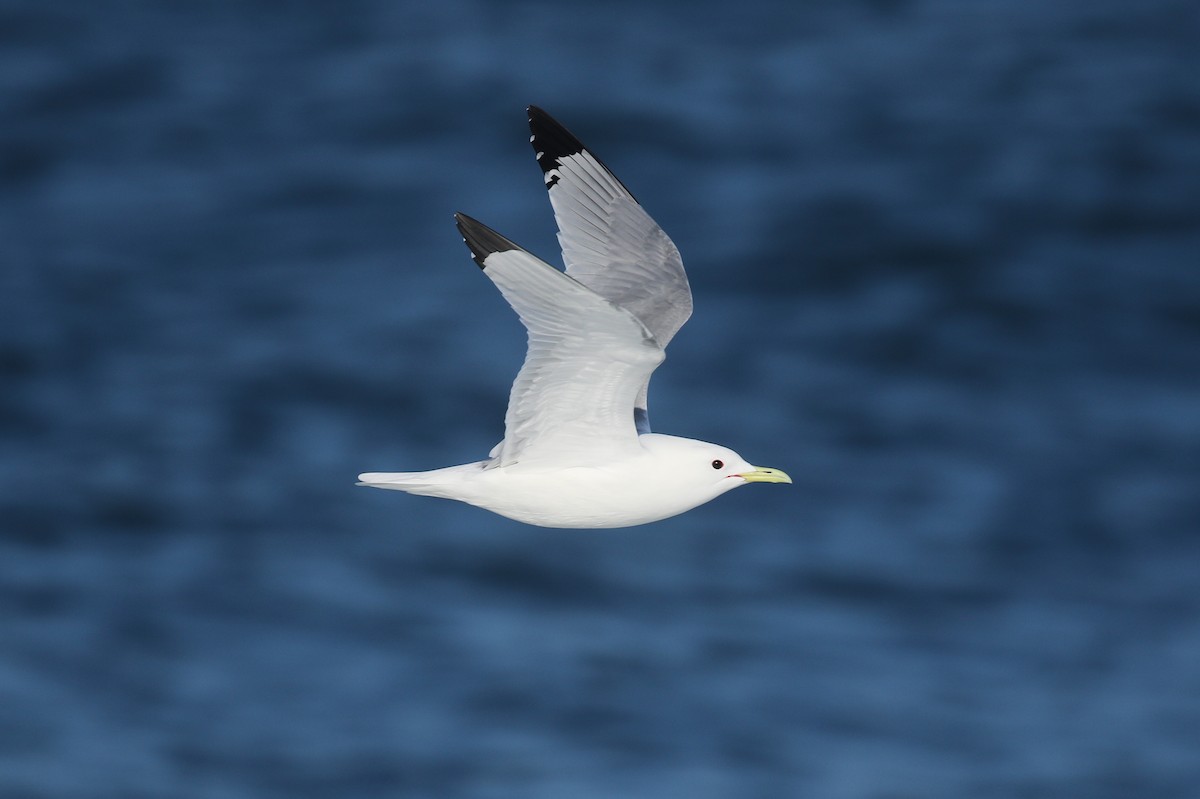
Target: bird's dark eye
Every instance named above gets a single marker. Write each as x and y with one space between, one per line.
718 464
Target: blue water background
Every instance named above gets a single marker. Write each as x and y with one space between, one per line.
946 264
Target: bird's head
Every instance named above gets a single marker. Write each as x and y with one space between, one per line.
704 467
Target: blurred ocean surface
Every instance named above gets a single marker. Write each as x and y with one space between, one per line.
946 259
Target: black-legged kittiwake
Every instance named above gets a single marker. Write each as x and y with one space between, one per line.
577 448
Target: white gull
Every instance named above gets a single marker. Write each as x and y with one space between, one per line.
577 448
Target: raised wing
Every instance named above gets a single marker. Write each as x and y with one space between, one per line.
610 244
587 359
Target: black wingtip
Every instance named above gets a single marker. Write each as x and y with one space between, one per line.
481 239
551 141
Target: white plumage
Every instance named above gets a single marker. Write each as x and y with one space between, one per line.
577 451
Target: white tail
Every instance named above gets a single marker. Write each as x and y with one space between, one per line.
399 481
445 482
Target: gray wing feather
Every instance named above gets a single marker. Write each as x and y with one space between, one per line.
587 359
610 244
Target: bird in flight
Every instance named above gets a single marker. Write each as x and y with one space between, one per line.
577 448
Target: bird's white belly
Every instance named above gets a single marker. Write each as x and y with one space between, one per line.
577 497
